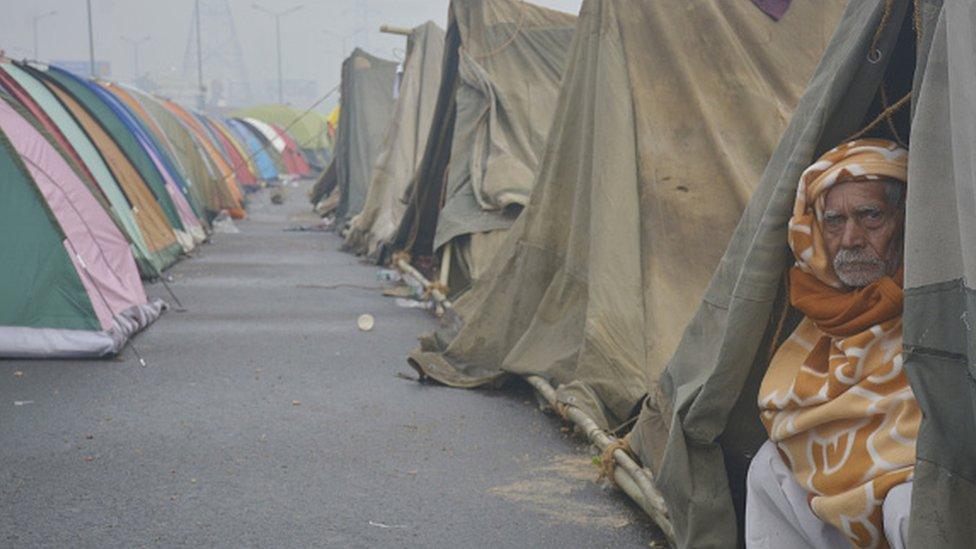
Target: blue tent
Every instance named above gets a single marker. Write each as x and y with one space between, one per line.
260 156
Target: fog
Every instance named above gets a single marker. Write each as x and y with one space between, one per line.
311 47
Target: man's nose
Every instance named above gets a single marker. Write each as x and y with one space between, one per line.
853 236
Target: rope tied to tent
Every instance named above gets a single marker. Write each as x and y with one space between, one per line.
874 53
608 463
401 256
562 409
436 286
874 56
890 118
885 116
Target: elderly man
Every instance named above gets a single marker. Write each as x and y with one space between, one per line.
841 416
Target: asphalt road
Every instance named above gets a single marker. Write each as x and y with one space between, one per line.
265 418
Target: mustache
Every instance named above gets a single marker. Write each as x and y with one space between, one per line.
851 258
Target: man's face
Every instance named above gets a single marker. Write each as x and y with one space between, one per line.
863 234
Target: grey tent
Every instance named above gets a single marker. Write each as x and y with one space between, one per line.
405 143
700 425
367 106
665 122
503 62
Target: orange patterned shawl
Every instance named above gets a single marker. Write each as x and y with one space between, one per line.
835 399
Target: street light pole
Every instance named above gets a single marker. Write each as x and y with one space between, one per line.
281 94
91 41
202 98
135 53
277 16
35 20
343 38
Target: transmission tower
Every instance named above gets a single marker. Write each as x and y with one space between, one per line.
220 55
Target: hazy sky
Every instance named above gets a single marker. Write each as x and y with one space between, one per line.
309 52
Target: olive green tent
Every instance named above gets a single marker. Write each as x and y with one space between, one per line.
700 425
503 61
665 122
367 106
405 142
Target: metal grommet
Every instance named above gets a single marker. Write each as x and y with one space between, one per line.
874 56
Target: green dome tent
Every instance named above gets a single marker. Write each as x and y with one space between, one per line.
69 285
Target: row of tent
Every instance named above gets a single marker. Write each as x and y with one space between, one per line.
103 186
606 198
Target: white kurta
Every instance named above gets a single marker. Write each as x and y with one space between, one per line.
779 516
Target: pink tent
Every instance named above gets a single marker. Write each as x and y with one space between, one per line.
99 251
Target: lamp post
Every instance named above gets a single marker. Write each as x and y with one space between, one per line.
277 17
201 90
91 41
343 38
35 20
135 43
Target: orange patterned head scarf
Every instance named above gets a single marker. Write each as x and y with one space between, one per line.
859 160
835 399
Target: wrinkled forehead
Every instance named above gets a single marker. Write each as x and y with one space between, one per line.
851 195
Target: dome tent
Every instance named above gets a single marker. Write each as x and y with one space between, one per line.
57 236
153 240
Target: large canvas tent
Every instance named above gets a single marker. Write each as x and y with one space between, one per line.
405 143
503 62
367 107
70 286
637 192
700 424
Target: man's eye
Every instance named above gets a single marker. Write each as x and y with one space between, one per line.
834 220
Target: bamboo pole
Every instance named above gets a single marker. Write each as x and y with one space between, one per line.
636 481
390 29
445 273
435 293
